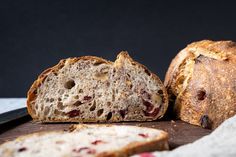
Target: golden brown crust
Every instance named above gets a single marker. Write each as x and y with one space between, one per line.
202 78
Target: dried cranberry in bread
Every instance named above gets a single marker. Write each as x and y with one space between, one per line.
91 89
87 141
201 80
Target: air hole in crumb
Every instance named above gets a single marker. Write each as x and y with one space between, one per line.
22 149
69 84
147 72
60 105
109 116
160 91
99 112
59 99
51 100
108 104
180 80
201 94
47 99
46 110
80 90
76 97
123 113
131 86
55 73
227 59
73 113
87 97
113 95
56 112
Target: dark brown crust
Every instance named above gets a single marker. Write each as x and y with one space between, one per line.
204 100
159 143
31 95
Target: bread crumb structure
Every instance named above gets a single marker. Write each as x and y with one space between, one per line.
91 89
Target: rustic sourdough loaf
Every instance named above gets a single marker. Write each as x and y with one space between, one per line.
91 89
201 82
86 141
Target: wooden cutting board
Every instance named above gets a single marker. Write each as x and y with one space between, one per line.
180 133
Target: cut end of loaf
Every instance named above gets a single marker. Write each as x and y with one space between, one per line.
91 89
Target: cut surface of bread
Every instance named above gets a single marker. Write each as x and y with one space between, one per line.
91 89
202 82
86 141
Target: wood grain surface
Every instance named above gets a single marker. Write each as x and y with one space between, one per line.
180 133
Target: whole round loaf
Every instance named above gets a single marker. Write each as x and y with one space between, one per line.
201 82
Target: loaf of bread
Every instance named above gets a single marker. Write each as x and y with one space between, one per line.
86 141
91 89
201 82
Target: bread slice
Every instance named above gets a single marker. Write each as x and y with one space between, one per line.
88 140
91 89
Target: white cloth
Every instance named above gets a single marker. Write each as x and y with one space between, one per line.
9 104
220 143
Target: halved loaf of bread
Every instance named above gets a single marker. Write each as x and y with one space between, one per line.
88 140
91 89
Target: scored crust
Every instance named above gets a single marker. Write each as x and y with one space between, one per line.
159 142
201 82
32 93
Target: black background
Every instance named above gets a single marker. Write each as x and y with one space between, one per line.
35 35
